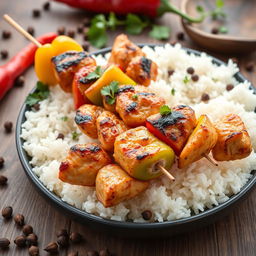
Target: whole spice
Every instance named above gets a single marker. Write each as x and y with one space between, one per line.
7 212
19 63
86 46
36 13
20 241
4 54
19 219
6 34
75 237
8 126
170 72
146 215
51 248
249 66
104 252
61 31
46 6
73 254
4 243
1 162
27 229
62 232
63 241
86 21
60 136
33 251
3 180
195 78
92 253
205 97
71 33
31 30
190 70
215 30
80 28
229 87
32 239
180 36
19 81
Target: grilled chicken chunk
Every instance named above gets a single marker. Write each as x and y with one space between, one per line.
114 185
136 104
82 164
123 51
233 139
200 142
86 117
67 64
174 128
142 70
109 127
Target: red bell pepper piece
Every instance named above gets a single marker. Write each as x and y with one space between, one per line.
19 63
150 8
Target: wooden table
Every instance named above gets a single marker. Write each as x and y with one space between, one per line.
233 235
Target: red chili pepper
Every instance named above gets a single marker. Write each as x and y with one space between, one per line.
19 63
150 8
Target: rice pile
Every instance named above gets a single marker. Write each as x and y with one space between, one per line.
196 188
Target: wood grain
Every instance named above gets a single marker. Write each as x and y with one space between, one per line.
233 235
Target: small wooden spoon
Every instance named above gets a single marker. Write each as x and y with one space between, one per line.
240 21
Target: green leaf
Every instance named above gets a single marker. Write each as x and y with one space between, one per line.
200 8
135 96
42 92
223 30
160 32
134 24
173 91
96 74
219 3
64 118
110 92
75 135
186 79
165 110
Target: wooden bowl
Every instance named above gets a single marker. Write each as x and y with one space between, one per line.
240 21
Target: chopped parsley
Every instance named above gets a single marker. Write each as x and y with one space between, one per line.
97 73
218 12
75 135
165 110
173 91
135 96
64 118
223 30
110 92
186 79
41 93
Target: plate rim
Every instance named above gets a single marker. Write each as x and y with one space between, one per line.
76 212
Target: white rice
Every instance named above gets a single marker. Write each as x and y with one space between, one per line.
196 188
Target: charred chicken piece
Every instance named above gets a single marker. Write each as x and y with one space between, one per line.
86 117
142 70
200 142
109 127
67 64
123 51
174 128
134 106
82 164
233 139
114 185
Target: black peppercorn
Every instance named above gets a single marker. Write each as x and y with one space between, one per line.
71 33
205 97
75 237
195 78
27 229
33 251
229 87
170 72
8 126
4 243
19 219
20 241
60 136
32 239
249 66
62 232
61 30
7 212
3 180
36 13
31 30
80 28
63 241
51 248
215 30
4 54
146 215
19 81
1 162
46 6
180 36
6 34
190 70
86 46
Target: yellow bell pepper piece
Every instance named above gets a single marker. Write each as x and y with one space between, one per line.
113 73
43 66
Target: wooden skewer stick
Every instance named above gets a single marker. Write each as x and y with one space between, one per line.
210 159
165 172
21 30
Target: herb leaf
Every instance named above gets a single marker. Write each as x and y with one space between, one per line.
165 110
219 3
134 24
186 79
135 96
173 91
64 118
97 73
218 12
75 135
223 30
110 92
160 32
41 93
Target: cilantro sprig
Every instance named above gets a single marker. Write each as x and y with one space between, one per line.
41 93
75 135
110 92
165 110
132 23
217 13
97 73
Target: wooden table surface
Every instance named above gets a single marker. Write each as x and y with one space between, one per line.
233 235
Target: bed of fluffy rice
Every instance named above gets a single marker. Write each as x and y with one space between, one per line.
196 188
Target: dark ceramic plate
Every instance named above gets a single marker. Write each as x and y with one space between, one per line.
129 228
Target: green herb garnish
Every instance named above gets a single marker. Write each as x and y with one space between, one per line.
75 135
110 92
41 93
134 25
223 30
135 96
165 110
173 91
218 12
186 79
64 118
97 73
160 32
